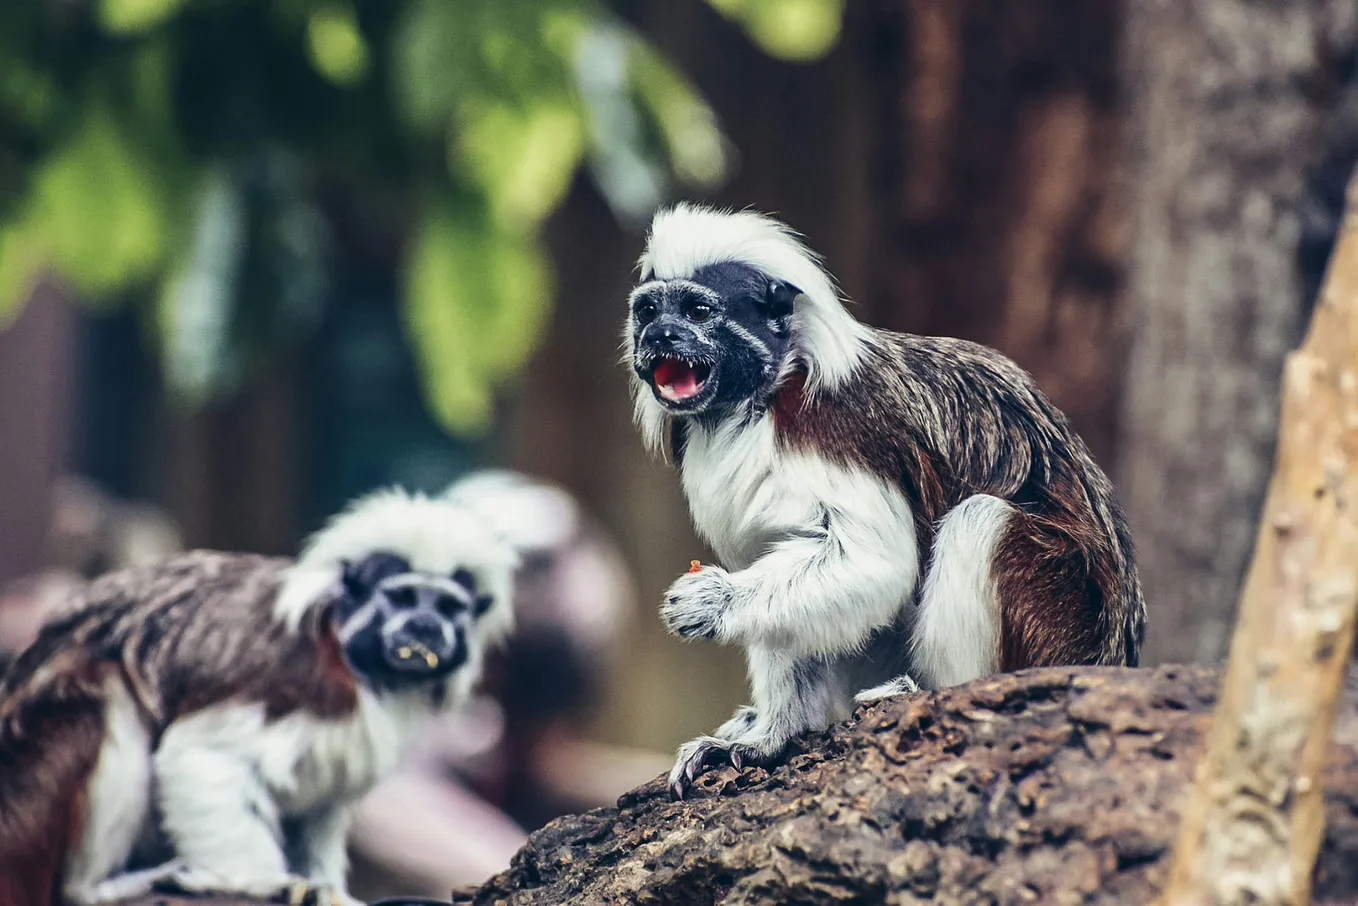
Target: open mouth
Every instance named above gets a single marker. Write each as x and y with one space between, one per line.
679 380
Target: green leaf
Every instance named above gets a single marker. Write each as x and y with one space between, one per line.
336 46
521 158
429 61
475 301
695 144
134 16
100 212
793 30
93 213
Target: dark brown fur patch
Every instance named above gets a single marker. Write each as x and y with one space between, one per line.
1049 605
944 419
196 630
49 746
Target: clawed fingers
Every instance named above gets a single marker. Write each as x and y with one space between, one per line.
700 755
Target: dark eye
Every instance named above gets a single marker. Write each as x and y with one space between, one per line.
448 605
402 597
645 312
699 312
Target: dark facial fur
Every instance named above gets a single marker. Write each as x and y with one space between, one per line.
714 342
400 627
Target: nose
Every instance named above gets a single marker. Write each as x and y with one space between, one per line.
422 627
663 333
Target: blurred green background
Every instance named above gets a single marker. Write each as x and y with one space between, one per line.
259 256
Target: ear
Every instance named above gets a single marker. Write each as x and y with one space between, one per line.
359 579
465 578
480 603
778 298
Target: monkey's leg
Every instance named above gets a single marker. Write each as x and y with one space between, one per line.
957 630
792 695
127 885
117 800
325 856
221 819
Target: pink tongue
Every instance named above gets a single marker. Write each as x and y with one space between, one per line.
675 380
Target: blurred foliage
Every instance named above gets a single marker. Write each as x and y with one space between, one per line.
796 30
187 152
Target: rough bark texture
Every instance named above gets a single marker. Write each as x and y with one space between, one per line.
1052 786
1232 100
1254 819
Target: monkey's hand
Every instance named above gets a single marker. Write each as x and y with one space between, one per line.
696 602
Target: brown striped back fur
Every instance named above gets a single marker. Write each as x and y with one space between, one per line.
945 419
182 635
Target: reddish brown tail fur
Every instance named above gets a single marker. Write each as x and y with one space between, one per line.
1050 603
47 754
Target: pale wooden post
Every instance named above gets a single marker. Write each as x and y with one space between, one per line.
1253 820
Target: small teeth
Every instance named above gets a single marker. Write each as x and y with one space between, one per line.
406 652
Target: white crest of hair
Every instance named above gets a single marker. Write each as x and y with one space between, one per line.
434 535
827 339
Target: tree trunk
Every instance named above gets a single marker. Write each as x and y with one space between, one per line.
35 362
999 158
1229 102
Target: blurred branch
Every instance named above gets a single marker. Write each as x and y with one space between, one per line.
1253 821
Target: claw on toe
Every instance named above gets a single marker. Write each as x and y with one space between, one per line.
711 755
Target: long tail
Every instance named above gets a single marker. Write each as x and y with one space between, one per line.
50 736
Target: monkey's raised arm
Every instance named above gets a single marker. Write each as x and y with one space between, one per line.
840 559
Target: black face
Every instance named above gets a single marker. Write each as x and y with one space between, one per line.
713 342
399 627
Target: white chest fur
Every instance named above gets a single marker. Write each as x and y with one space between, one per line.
304 760
745 492
729 477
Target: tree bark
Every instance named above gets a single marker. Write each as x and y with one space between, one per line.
1053 786
36 353
1059 785
1229 106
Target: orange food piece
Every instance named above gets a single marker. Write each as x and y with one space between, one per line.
694 566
